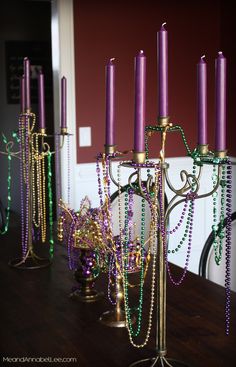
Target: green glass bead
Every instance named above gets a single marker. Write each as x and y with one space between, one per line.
221 235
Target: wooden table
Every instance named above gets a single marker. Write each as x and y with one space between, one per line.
38 319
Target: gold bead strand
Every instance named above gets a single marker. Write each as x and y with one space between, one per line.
44 212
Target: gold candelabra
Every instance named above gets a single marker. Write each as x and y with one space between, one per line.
154 191
32 153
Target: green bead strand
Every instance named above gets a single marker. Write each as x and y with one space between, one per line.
9 179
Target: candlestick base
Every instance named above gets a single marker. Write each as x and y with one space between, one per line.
115 318
139 157
86 295
221 153
203 149
164 120
64 131
110 149
30 262
158 361
42 131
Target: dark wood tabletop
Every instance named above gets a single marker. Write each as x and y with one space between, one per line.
39 319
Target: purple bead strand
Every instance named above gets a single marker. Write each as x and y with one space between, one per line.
228 247
58 176
68 167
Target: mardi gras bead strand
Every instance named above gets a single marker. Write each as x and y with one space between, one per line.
218 231
50 202
153 280
43 202
9 179
228 247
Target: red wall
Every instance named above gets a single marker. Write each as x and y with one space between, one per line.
105 29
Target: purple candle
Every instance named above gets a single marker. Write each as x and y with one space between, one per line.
22 94
140 102
220 69
41 101
162 57
110 102
202 101
27 83
63 103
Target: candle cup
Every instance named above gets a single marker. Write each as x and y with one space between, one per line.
203 149
220 153
42 131
139 157
110 149
164 121
64 131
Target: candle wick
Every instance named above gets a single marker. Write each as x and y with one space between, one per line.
112 59
141 51
163 24
203 56
220 53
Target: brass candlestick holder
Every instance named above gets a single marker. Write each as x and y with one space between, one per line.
116 317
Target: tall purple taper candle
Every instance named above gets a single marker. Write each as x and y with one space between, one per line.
162 57
140 102
110 103
27 83
202 101
41 101
63 104
220 74
22 94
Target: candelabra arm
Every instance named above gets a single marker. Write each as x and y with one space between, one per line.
189 180
173 203
111 173
61 144
8 149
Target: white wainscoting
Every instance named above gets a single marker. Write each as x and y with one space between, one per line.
86 184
